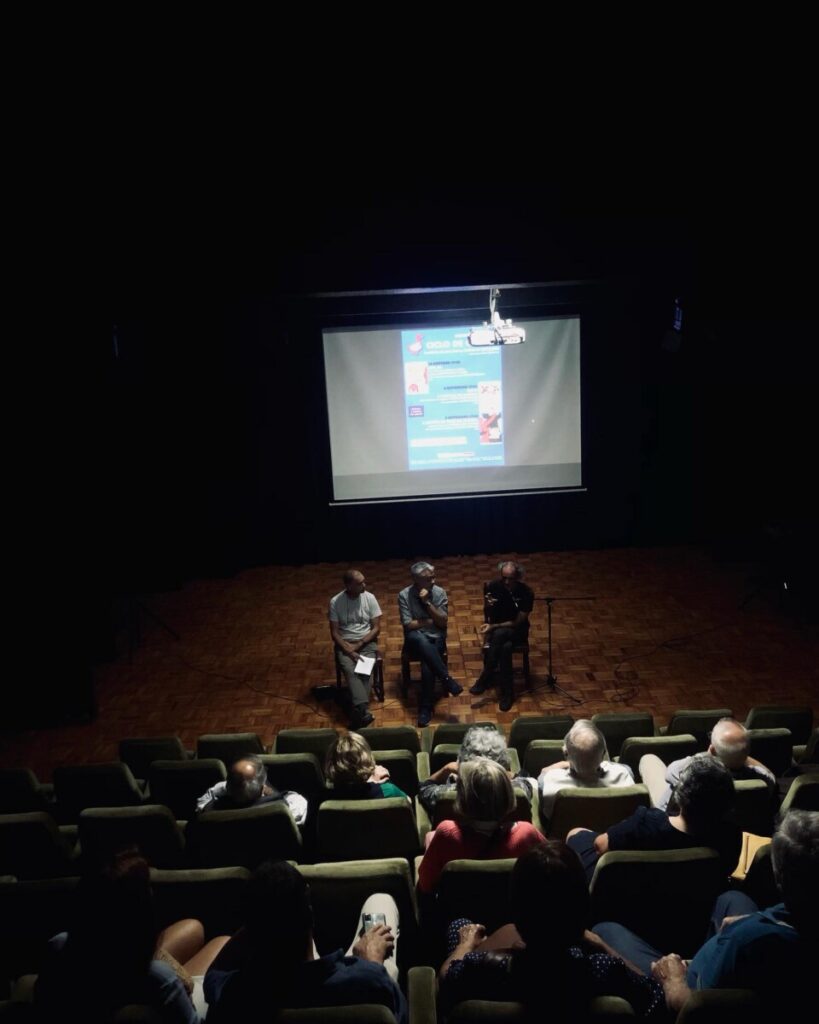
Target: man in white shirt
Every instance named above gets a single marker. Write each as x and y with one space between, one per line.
355 622
586 766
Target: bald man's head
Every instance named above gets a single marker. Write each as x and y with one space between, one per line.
730 742
246 779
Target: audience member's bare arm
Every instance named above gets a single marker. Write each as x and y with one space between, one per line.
470 936
598 945
670 971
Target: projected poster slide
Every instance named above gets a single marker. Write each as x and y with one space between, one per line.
454 400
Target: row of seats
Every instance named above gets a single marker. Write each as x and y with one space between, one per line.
630 887
32 846
628 735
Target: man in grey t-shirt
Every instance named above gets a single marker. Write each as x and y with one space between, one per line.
355 622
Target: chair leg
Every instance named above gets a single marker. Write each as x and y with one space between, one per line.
378 680
526 673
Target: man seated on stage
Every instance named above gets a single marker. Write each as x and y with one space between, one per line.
423 609
586 766
481 741
247 786
272 962
729 743
508 602
355 622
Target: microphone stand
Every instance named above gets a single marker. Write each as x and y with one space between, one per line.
551 678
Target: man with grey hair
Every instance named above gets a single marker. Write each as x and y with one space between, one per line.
729 744
355 622
423 609
480 741
586 766
771 952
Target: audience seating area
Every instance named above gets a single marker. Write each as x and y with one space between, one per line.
349 849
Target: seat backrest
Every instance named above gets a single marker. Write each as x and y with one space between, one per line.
667 748
392 737
403 769
31 913
31 847
243 838
617 726
214 896
358 1013
366 829
151 827
596 809
753 807
454 732
305 741
601 1010
476 889
443 753
772 716
300 773
139 753
697 723
803 794
179 784
526 728
20 792
540 754
445 807
229 747
811 755
721 1006
78 786
773 748
338 891
665 897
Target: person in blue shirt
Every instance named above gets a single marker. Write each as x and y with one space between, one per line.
772 952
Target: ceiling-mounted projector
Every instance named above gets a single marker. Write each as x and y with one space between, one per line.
496 331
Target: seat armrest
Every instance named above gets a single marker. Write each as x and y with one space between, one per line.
421 988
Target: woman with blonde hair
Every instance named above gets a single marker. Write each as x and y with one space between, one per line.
485 828
351 769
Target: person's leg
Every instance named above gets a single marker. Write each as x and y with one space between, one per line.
359 685
199 963
490 663
652 772
182 939
419 649
507 686
731 903
628 945
581 840
381 903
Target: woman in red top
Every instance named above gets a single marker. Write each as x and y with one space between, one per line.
484 804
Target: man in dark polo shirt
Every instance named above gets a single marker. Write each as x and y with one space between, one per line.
508 602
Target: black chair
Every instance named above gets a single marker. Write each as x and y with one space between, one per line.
21 792
773 716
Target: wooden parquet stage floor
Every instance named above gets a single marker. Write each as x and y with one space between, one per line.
667 628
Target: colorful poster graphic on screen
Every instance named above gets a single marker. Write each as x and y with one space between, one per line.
454 400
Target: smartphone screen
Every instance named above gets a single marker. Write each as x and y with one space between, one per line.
371 920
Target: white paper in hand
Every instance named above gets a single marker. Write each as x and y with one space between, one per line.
364 666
